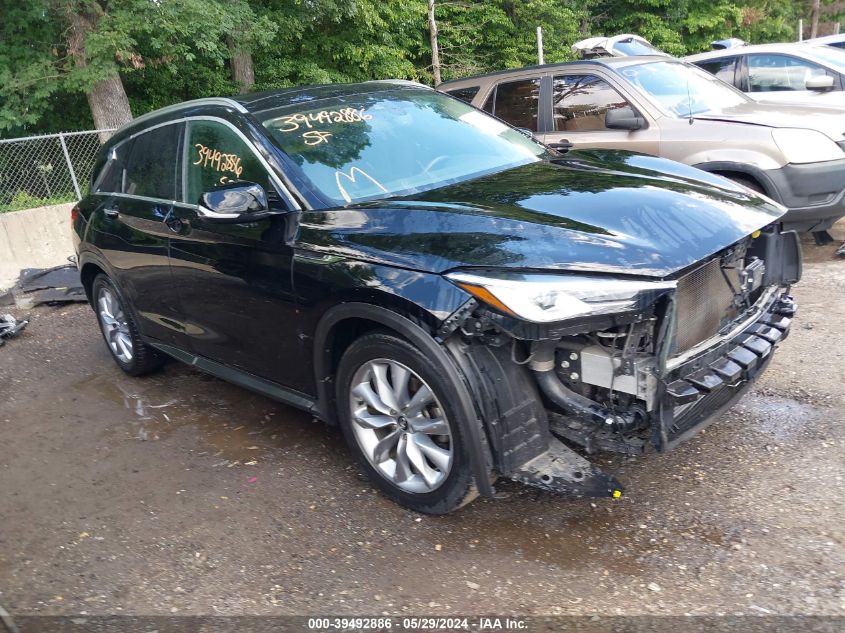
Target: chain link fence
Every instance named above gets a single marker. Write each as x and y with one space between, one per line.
36 171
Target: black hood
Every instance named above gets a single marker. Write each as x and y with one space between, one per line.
592 210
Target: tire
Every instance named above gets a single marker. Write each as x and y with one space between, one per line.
747 182
120 332
405 457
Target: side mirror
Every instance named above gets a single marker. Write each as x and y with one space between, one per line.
625 118
233 202
820 83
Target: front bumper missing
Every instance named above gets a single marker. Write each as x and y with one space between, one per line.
699 389
561 470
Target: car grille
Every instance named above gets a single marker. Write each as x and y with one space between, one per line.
705 302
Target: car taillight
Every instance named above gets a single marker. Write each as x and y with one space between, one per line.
74 213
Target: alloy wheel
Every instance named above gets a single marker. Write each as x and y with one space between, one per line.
114 325
400 426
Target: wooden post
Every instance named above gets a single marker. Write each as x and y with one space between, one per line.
814 16
435 50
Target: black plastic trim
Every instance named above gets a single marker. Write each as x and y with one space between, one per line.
794 186
238 377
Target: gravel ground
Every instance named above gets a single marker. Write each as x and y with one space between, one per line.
178 493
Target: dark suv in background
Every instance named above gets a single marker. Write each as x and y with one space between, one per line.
464 302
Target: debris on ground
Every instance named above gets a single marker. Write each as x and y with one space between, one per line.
10 327
60 284
841 250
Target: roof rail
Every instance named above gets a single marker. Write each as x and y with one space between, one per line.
222 101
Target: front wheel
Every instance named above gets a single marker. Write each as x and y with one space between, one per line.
396 416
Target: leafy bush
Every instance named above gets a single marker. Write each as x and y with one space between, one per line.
23 200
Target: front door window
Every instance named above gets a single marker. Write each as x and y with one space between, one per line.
215 154
580 103
780 73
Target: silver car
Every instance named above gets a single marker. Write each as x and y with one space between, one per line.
801 72
668 108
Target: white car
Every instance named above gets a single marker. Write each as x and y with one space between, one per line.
802 72
837 41
625 45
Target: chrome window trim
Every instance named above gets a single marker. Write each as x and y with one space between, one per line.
201 210
129 196
273 176
222 101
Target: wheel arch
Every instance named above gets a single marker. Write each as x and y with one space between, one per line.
87 273
743 170
341 325
345 322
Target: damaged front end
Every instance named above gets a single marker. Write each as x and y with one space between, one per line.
617 364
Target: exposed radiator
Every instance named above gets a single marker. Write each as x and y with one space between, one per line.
704 303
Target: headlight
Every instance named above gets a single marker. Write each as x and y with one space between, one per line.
806 146
545 298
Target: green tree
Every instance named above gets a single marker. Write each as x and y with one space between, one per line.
323 41
55 47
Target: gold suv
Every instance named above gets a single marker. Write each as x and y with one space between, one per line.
669 108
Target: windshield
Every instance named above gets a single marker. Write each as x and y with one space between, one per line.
394 142
632 47
680 90
827 55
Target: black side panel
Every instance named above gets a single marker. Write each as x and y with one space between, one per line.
132 237
513 414
781 253
241 378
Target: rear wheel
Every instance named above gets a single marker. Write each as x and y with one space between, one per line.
120 331
396 416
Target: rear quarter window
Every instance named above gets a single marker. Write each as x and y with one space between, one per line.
110 169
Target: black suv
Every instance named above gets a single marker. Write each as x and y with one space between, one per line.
464 302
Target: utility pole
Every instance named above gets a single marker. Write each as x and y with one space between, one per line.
435 50
540 45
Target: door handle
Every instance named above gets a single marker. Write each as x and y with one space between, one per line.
111 212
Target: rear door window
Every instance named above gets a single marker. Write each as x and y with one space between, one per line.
779 73
517 103
724 68
580 102
214 155
152 168
464 94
